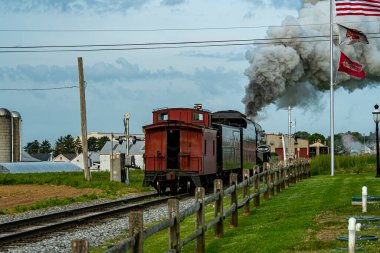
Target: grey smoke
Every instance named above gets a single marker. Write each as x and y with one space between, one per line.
295 72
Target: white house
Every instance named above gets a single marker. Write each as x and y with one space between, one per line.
93 160
136 150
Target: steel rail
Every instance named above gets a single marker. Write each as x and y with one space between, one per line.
50 223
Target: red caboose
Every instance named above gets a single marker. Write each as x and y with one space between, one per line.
180 148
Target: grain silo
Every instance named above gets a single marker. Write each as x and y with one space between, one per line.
16 136
5 135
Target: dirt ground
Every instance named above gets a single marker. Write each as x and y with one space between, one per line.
22 195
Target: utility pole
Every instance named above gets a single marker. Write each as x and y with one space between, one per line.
87 173
127 116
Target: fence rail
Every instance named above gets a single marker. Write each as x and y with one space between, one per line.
272 179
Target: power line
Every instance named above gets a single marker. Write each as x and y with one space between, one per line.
168 29
38 89
163 45
149 48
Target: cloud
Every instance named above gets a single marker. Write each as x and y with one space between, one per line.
230 56
119 72
172 2
70 6
278 3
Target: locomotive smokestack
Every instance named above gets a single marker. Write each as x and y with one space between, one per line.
198 106
295 72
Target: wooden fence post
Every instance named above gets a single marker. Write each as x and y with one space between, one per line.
218 189
286 176
256 201
80 246
246 191
174 231
200 219
267 182
282 175
291 173
136 229
277 179
233 200
271 180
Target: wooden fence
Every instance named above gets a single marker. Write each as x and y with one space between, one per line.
271 181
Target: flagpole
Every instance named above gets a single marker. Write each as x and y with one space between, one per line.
331 90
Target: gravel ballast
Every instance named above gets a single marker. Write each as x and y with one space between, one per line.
96 234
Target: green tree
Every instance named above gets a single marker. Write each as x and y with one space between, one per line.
45 147
316 136
302 134
32 147
65 145
92 143
78 146
101 142
357 136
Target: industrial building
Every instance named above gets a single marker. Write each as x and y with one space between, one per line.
299 148
10 136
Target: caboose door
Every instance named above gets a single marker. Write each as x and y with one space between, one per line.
173 149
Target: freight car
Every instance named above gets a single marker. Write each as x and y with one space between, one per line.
190 147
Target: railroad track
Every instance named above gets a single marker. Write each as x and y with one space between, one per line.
25 229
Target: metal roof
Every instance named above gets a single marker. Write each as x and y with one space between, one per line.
16 114
26 157
37 167
134 149
138 148
5 112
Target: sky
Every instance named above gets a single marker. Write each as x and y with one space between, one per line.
140 80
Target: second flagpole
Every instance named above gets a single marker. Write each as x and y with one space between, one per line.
331 90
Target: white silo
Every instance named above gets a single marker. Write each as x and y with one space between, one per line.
5 135
16 136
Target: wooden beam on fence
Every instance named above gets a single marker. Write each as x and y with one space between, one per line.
256 201
200 219
136 229
246 192
218 189
80 246
174 231
234 200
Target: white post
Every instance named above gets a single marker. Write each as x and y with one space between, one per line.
351 234
284 149
364 199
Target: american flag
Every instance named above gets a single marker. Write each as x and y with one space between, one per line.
357 7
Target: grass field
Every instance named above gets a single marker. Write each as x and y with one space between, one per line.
306 217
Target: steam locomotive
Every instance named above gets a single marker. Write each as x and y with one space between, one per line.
190 147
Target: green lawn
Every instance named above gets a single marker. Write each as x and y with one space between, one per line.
306 217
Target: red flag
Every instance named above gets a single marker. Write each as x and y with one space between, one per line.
350 67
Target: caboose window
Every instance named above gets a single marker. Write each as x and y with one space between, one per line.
197 116
163 116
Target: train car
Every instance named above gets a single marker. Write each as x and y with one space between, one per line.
190 147
247 135
180 149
